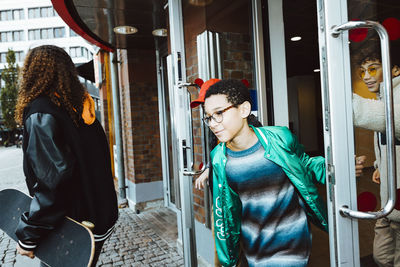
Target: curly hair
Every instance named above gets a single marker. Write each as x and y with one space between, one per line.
48 70
367 54
236 93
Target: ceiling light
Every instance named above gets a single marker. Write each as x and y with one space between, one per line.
160 32
200 2
295 38
316 70
125 30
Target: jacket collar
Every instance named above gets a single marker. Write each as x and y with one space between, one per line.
262 137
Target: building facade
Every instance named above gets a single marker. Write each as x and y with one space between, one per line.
29 23
26 24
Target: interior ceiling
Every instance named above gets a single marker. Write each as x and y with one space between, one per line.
101 16
300 18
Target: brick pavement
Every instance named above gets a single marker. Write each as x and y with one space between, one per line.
134 243
146 239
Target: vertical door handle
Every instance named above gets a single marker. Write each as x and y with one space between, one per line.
188 169
391 155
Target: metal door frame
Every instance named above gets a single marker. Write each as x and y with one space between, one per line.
338 133
183 130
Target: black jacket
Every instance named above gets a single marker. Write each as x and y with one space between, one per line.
68 173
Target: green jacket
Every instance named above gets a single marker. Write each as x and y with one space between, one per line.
281 147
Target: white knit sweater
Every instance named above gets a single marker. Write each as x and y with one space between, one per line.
370 114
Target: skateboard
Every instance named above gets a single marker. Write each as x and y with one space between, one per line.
69 244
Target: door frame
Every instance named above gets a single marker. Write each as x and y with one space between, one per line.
338 133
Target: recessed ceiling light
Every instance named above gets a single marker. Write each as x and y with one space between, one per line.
295 38
200 2
316 70
160 32
125 30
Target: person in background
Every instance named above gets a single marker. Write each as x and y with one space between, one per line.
66 158
370 114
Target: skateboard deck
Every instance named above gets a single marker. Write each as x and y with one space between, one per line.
69 244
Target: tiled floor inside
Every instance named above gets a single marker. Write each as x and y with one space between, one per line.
320 246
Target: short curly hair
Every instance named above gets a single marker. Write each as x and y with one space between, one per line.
48 70
236 92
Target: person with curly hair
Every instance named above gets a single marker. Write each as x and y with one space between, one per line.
66 158
264 191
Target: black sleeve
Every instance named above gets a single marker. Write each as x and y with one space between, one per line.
52 163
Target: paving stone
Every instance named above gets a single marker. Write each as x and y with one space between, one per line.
133 243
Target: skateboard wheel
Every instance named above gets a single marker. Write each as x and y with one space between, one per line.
88 224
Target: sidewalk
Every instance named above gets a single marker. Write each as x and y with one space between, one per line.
146 239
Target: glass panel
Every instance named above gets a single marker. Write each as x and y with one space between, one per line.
16 36
218 44
367 78
16 14
72 33
50 33
304 96
3 57
72 51
31 35
37 34
43 12
36 13
3 15
43 33
31 13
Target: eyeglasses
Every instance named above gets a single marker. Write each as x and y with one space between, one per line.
216 116
371 71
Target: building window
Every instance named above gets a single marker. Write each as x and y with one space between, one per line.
12 36
19 56
3 57
59 32
72 33
13 14
41 12
48 33
78 51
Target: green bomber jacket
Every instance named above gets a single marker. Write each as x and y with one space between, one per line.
281 147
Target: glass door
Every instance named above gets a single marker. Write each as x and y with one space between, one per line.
358 44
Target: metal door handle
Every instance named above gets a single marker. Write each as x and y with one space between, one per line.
187 172
391 155
193 173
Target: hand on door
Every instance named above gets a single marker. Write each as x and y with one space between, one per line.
376 177
200 181
360 165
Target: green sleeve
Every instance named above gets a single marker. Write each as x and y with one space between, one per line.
315 165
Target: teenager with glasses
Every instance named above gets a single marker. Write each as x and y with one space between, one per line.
370 114
264 185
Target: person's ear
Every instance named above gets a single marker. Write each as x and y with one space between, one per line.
245 109
395 71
